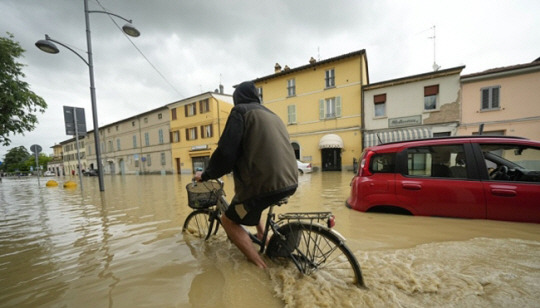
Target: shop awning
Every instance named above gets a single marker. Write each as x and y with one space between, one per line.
403 134
331 141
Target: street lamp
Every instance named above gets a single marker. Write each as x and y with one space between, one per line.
47 45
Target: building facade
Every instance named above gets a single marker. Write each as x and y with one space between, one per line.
196 123
56 164
135 145
504 101
413 107
320 103
72 156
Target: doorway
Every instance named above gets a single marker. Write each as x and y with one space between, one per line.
331 159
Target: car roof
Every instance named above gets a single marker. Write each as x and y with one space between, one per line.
452 140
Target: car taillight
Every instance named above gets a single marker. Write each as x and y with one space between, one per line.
364 165
309 165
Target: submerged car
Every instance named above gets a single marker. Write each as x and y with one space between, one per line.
91 172
481 177
304 167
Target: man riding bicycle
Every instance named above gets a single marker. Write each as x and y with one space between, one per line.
255 146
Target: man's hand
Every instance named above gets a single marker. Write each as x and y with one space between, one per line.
197 176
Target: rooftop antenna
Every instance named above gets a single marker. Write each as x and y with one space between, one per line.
435 66
318 53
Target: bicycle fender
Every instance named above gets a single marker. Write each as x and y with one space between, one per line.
341 237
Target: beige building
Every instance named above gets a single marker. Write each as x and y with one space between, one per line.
196 123
135 145
56 164
413 107
321 105
72 156
505 100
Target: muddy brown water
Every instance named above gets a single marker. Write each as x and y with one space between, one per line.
124 248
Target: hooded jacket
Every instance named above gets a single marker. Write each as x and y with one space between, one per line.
255 146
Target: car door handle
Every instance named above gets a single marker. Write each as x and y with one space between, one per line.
412 186
503 192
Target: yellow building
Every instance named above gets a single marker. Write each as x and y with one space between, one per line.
321 104
196 123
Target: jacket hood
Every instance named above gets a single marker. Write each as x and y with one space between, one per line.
246 93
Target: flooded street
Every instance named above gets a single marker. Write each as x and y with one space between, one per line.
124 247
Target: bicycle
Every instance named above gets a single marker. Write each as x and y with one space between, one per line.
307 239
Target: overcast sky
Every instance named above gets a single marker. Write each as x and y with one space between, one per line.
191 46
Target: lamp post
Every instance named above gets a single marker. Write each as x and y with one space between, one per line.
48 46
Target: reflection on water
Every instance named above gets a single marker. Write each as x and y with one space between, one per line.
124 248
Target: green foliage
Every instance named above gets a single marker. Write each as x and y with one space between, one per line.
16 159
18 105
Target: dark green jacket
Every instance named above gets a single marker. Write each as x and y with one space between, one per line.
255 146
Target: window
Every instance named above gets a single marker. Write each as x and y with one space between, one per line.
291 114
204 105
118 144
110 146
133 123
437 161
146 139
430 97
136 158
160 136
145 120
176 136
191 133
116 127
260 92
163 159
383 163
512 162
206 131
148 160
134 141
380 105
159 116
329 78
330 108
190 109
490 98
173 113
291 87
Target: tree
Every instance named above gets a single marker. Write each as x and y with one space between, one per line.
16 159
18 104
43 160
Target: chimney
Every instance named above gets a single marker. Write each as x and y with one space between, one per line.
312 60
277 68
287 68
220 89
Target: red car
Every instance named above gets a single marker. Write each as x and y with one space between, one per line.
481 177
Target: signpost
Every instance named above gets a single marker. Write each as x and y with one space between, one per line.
76 125
36 149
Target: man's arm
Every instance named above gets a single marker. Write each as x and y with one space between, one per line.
228 150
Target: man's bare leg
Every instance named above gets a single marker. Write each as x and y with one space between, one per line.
241 239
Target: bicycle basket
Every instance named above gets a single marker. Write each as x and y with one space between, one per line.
202 195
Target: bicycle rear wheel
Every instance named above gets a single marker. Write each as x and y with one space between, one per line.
198 224
314 248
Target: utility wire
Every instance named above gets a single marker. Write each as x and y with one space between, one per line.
142 54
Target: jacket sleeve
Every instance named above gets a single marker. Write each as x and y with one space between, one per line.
224 157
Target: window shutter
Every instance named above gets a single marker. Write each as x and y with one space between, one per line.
379 99
338 106
431 90
173 113
186 110
211 130
171 137
495 98
485 99
194 108
321 109
187 134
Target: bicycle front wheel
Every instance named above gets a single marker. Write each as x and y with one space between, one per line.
198 224
314 248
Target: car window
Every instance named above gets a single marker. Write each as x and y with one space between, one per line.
510 162
383 163
446 161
